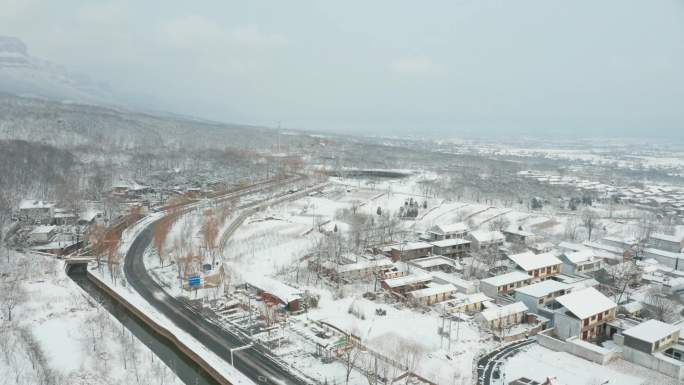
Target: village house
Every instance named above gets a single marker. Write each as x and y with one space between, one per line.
452 248
519 236
63 217
671 243
361 270
607 252
451 231
539 266
504 283
482 239
36 210
62 247
541 294
410 250
436 263
651 336
667 258
407 283
541 247
622 243
462 285
584 314
580 262
432 294
501 317
655 345
465 303
42 234
272 290
566 246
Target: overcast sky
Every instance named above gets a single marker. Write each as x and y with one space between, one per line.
455 67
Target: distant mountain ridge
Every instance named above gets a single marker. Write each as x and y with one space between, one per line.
24 75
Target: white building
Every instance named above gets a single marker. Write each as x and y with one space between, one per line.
504 316
42 234
585 314
539 266
432 294
482 239
504 283
667 242
667 258
580 262
541 294
450 231
36 210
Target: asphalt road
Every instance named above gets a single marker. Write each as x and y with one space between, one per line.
487 364
250 362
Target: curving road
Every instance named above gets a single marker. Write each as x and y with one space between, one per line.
252 362
487 364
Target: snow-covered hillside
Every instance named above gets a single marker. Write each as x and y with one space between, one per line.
23 74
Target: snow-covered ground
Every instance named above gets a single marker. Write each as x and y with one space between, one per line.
60 335
539 363
132 297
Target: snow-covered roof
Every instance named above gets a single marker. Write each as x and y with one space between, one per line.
487 236
365 264
412 246
663 253
516 231
461 299
651 331
90 214
407 280
571 246
130 185
27 204
586 302
542 245
54 245
506 279
624 241
632 307
433 261
530 261
276 288
581 256
433 290
543 288
503 311
450 242
458 227
667 237
43 229
601 246
453 279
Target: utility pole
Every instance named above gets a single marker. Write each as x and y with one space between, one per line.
449 348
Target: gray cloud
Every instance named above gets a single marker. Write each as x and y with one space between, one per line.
487 67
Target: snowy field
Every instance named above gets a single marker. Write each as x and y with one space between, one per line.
60 335
539 363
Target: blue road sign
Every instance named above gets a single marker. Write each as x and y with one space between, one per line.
194 281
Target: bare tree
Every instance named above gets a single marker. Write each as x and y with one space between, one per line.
210 229
349 354
660 306
97 241
621 276
571 226
11 295
648 223
499 223
412 354
590 220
